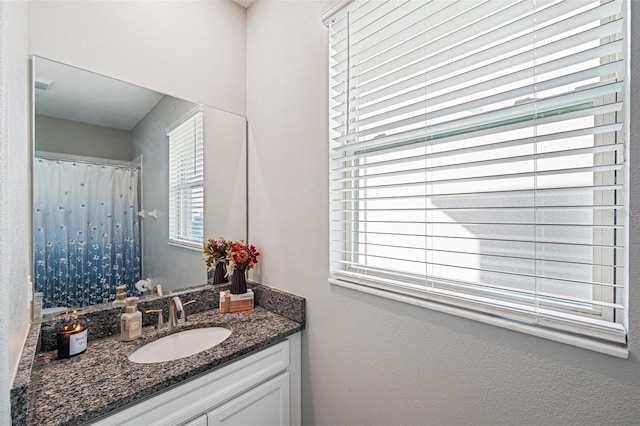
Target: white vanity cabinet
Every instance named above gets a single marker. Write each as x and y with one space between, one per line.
259 389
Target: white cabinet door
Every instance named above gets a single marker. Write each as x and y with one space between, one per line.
264 405
199 421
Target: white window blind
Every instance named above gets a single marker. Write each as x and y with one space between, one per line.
186 182
478 158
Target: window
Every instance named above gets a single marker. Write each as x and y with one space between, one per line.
186 182
478 161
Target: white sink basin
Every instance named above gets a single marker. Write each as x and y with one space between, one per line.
180 345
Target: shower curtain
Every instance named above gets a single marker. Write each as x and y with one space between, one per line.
86 233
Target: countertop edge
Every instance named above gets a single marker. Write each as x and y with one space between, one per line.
19 393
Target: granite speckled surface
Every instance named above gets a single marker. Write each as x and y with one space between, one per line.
48 391
75 390
286 304
20 389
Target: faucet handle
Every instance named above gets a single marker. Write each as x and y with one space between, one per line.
176 312
160 324
185 304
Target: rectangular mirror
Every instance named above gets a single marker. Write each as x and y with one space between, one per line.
101 204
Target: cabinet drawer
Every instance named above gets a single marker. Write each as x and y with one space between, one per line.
178 404
265 405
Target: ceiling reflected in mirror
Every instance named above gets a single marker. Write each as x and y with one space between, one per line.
74 94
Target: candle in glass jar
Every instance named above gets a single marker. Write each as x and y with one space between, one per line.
72 340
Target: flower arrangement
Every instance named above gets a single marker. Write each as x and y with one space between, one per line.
215 251
230 258
241 256
232 254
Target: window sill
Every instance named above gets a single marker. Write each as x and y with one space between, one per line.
186 245
573 340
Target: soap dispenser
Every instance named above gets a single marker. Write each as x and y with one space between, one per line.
131 321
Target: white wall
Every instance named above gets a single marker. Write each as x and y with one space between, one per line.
71 137
188 49
373 361
14 184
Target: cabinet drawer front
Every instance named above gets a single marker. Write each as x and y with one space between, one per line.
179 404
265 405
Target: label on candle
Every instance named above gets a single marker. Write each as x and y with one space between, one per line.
77 342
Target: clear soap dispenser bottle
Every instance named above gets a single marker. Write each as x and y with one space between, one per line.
131 321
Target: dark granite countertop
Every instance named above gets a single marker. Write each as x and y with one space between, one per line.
76 390
49 391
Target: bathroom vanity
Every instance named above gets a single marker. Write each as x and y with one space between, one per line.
260 389
253 377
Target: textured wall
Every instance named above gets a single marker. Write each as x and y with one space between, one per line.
188 49
368 360
14 184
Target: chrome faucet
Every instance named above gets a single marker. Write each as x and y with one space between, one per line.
176 312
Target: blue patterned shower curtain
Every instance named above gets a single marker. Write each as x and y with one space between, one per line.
86 233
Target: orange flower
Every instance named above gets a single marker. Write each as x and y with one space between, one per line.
241 256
